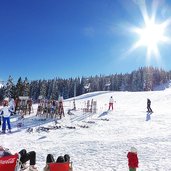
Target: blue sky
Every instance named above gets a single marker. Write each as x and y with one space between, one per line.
70 38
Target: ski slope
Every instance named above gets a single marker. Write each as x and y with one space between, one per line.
105 143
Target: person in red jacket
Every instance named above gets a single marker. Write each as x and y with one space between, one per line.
111 103
132 159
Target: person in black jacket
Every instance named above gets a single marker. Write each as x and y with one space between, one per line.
149 106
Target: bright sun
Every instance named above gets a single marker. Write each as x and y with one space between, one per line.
151 35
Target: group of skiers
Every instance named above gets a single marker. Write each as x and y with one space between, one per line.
149 110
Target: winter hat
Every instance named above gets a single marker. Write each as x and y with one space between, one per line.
133 150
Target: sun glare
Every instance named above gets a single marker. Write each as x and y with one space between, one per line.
151 35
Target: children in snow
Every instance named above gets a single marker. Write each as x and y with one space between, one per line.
132 159
149 106
111 103
60 159
24 157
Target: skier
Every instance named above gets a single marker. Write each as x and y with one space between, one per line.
111 103
24 157
132 159
6 112
149 106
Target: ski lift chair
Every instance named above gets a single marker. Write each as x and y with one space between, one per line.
10 163
59 166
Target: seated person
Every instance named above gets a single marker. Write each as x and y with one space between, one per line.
60 159
67 159
24 157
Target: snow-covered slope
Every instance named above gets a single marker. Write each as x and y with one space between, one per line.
104 145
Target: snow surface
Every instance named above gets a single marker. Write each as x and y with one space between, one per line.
105 144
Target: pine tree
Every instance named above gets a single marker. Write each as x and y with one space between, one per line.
54 94
43 88
19 88
26 87
9 87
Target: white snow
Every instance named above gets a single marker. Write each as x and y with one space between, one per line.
105 144
1 85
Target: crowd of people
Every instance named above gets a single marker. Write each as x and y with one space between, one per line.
63 161
9 108
46 108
